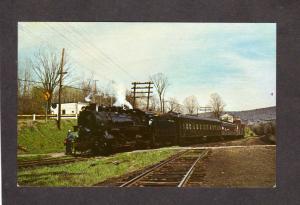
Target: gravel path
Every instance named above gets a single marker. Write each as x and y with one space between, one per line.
251 166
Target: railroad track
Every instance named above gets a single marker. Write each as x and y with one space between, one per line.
175 171
48 162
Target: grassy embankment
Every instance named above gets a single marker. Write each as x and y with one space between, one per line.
249 132
40 137
92 171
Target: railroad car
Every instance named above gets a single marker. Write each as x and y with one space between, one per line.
107 128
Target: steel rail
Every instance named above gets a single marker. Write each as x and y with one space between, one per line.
190 171
133 180
48 162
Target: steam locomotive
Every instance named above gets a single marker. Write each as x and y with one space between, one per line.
101 129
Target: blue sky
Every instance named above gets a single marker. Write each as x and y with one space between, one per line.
236 60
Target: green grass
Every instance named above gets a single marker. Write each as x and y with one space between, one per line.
249 132
92 171
41 137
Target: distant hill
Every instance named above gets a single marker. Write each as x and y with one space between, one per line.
250 116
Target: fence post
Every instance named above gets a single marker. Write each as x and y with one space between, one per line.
76 115
57 116
33 117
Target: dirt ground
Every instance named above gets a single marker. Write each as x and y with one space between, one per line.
238 142
237 167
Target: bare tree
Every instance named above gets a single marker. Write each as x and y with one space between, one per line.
46 66
174 106
161 83
154 102
191 104
217 104
27 92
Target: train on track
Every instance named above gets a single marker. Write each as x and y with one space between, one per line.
101 129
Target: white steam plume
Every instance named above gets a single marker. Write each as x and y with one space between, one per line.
120 94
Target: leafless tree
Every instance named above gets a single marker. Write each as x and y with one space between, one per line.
161 83
29 93
154 103
217 104
46 66
191 104
174 106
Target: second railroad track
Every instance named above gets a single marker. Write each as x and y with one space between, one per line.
174 172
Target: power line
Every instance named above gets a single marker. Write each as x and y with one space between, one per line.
91 54
70 44
102 52
33 81
73 44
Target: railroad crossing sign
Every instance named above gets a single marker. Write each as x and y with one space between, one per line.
46 95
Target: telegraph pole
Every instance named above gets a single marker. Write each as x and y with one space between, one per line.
95 90
148 97
147 85
134 89
60 86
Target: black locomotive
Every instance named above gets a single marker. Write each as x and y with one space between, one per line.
105 128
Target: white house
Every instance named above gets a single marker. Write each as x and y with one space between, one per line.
69 108
227 117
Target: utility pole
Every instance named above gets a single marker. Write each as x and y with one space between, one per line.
148 97
60 86
95 90
205 108
134 89
147 85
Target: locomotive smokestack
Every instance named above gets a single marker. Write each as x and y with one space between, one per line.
120 94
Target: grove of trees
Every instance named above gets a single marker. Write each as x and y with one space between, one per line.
41 73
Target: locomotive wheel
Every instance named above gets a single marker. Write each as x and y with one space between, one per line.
103 148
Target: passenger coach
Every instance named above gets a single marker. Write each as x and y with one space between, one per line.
185 129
